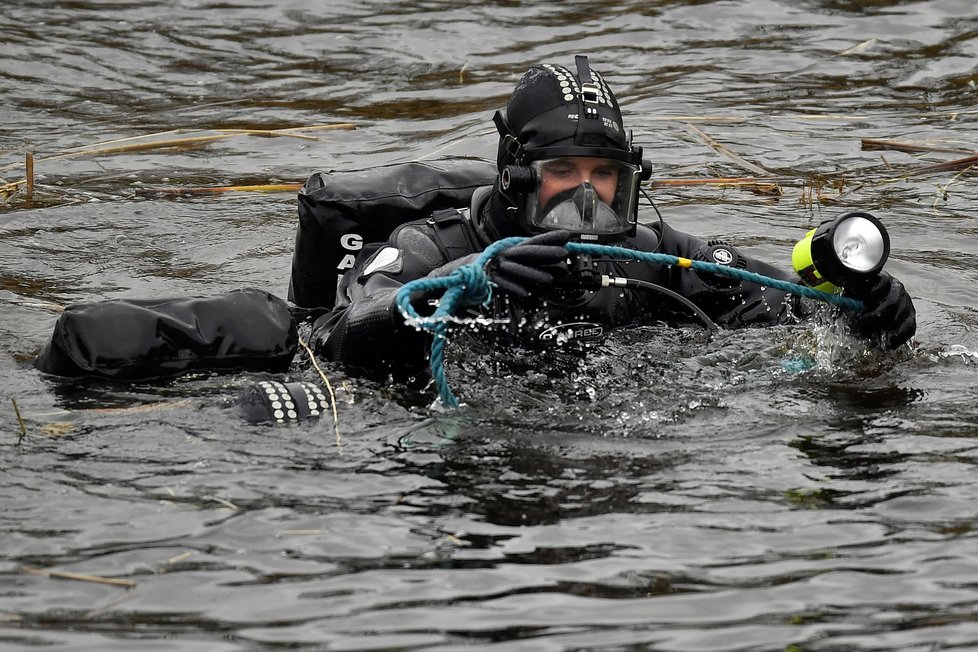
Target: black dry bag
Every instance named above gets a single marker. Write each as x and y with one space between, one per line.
144 339
340 212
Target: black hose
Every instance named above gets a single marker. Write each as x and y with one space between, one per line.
646 286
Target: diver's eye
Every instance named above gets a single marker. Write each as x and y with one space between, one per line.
561 170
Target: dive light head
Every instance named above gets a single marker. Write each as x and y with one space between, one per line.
845 252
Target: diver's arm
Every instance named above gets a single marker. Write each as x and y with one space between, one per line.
887 321
369 333
729 302
366 330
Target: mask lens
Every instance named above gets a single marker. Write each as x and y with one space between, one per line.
580 210
589 196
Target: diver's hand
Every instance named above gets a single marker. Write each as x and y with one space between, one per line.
448 268
531 265
889 316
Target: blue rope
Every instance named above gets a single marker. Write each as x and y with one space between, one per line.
742 274
466 286
469 285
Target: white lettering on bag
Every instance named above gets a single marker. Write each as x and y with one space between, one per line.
351 241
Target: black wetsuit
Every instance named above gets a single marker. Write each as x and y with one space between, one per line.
366 330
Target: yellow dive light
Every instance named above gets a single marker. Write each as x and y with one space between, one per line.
847 250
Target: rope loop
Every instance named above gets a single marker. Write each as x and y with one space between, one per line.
475 285
469 286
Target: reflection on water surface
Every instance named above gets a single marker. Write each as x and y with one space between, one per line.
668 491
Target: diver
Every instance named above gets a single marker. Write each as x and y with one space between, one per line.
566 170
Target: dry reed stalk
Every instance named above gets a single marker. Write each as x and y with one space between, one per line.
943 189
181 557
114 146
728 181
293 132
216 190
716 181
8 190
29 175
856 49
190 141
335 126
20 420
876 144
223 501
697 118
726 151
811 191
34 303
957 164
831 118
329 388
65 575
751 184
147 407
126 139
814 187
265 132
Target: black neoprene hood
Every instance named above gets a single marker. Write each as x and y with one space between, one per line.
559 109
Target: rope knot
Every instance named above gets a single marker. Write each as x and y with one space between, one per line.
474 284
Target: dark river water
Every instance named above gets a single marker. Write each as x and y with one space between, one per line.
674 490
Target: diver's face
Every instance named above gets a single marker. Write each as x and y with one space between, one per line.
569 172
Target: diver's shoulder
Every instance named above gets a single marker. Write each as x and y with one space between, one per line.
646 238
417 236
436 239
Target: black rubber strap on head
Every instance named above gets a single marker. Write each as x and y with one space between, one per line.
583 69
501 125
589 127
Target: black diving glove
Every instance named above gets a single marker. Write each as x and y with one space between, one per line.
531 265
889 316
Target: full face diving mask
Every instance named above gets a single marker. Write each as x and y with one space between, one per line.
596 199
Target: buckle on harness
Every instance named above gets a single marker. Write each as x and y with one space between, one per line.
589 93
513 147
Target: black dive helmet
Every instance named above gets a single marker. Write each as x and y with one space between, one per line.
555 121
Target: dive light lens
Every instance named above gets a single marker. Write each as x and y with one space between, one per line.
859 244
